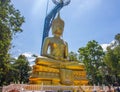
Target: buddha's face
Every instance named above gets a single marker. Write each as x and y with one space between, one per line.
58 32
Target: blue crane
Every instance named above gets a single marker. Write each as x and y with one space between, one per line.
50 17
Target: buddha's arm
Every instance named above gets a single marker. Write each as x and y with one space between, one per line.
66 50
45 47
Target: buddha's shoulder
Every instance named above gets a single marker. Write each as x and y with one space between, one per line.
49 38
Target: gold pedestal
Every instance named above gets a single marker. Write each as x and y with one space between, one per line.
53 72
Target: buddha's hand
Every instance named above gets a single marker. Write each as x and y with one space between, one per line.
60 58
63 59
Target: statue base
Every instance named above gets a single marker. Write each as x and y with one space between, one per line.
58 73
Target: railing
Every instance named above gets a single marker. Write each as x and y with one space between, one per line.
52 88
13 87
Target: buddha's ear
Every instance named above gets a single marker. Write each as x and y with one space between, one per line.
53 29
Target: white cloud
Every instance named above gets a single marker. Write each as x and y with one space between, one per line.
112 42
29 56
104 46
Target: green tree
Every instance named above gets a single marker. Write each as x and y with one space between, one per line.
112 59
73 56
23 68
10 23
92 57
117 39
11 73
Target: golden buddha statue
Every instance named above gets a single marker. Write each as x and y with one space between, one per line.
58 47
53 67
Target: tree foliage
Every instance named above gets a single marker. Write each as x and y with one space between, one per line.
23 68
73 56
92 57
19 71
10 24
117 39
112 59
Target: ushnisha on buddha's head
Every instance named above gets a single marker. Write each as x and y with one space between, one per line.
57 26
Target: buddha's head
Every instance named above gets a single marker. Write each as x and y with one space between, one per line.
57 26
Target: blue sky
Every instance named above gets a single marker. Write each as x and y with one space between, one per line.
85 20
